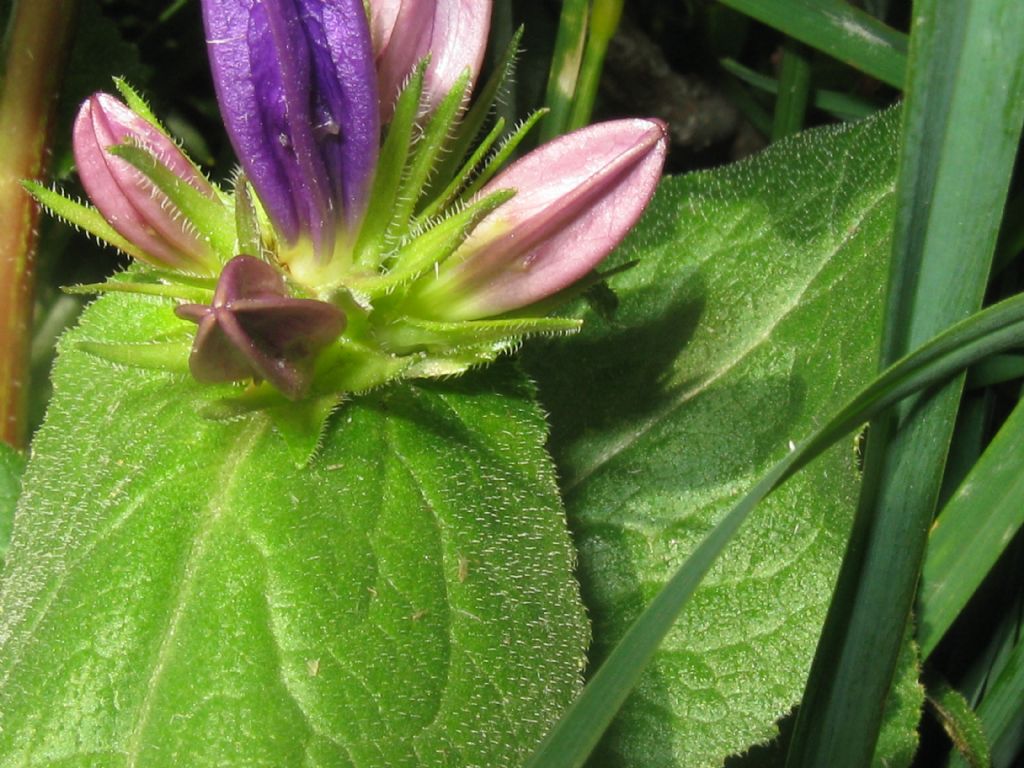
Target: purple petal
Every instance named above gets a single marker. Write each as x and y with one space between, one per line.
255 330
290 376
215 356
297 92
247 277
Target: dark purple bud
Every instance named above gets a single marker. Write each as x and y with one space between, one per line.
254 329
297 90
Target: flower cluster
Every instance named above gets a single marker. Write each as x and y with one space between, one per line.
371 233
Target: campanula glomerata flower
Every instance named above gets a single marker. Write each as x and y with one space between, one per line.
371 234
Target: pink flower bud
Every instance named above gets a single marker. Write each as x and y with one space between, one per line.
452 32
576 198
131 202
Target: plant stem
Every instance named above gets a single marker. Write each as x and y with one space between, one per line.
34 43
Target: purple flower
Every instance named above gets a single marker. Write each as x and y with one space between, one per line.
297 90
404 246
130 201
452 32
253 329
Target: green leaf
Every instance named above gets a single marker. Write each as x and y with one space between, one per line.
990 331
12 464
899 738
752 312
973 530
961 724
1001 711
179 593
966 78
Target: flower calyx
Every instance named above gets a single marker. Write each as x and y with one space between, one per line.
254 330
386 240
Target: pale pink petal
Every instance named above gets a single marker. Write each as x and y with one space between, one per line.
127 199
452 32
576 198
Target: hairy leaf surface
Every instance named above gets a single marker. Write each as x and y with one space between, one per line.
178 593
753 310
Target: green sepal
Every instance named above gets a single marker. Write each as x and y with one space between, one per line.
170 291
427 154
483 105
346 368
584 287
300 424
412 333
433 246
350 367
390 168
457 361
137 104
443 200
161 355
247 224
495 163
209 216
81 216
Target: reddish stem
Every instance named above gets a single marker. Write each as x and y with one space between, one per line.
34 52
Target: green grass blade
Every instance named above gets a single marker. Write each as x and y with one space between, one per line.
1002 713
997 370
794 91
838 29
950 192
972 532
970 437
843 105
565 67
579 730
604 20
